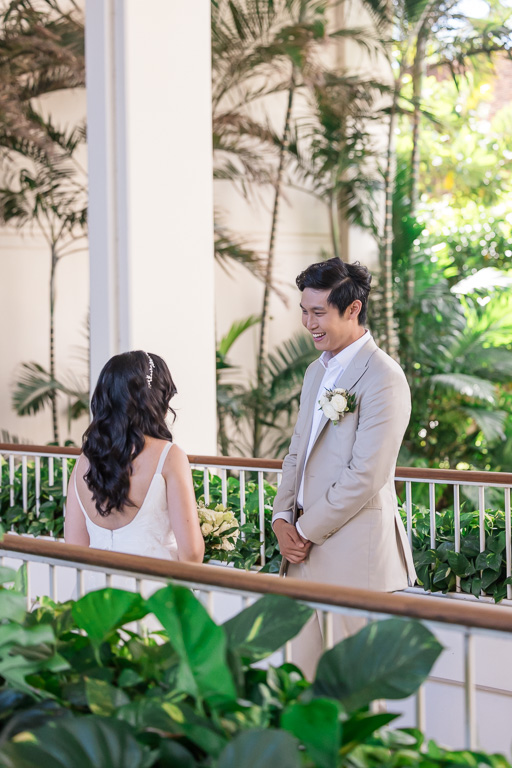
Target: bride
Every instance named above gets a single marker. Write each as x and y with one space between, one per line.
131 489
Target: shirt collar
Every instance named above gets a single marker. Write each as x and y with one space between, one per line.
343 358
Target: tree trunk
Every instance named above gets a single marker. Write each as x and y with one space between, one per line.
263 348
387 255
53 396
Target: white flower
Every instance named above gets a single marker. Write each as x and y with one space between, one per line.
323 401
227 544
206 528
339 402
331 412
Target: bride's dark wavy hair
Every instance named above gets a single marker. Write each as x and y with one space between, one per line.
131 400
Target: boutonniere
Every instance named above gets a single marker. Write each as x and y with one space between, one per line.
335 403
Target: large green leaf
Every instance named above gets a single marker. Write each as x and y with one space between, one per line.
13 606
100 613
103 698
360 725
266 626
317 726
261 749
198 641
174 718
7 575
88 742
385 660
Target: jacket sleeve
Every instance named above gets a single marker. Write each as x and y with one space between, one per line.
285 498
384 413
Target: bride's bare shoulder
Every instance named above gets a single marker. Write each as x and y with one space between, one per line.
176 460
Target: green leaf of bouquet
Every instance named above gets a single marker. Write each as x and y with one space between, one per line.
103 698
7 575
200 644
265 626
317 725
99 613
384 660
87 742
13 606
261 749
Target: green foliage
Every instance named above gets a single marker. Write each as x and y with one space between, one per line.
189 695
50 520
479 572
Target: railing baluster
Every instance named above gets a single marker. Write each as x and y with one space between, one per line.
24 482
224 486
408 509
37 473
481 515
328 630
206 483
64 477
432 500
79 583
242 499
50 474
11 480
261 509
508 547
469 690
420 709
456 524
53 582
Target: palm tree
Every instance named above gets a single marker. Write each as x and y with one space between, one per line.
50 196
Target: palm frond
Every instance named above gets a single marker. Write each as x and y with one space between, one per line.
469 386
34 389
236 330
491 423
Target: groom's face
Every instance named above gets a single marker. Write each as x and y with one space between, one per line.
331 332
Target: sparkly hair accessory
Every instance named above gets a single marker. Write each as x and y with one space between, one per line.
149 376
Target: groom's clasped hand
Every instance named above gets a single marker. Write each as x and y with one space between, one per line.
291 544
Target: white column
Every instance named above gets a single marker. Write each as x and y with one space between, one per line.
151 201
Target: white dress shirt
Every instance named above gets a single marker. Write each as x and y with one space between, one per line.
334 366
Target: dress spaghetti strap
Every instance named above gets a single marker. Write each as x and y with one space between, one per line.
76 492
163 457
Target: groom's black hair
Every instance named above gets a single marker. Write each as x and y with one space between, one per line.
347 283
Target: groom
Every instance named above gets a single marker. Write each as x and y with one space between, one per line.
335 512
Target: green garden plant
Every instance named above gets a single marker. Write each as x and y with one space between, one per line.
80 688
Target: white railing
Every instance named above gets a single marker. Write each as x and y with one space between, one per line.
253 473
464 704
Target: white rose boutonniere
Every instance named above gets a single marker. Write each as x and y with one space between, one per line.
335 403
220 529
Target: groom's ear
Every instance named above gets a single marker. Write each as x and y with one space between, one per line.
354 309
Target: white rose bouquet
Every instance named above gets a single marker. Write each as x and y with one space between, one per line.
335 403
220 529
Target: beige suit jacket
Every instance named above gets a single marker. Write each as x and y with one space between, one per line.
350 507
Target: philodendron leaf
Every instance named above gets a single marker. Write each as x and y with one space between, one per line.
490 560
13 606
200 644
360 725
261 749
266 626
103 698
317 726
384 660
460 564
7 575
87 742
101 612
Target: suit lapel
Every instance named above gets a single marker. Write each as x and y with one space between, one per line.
349 378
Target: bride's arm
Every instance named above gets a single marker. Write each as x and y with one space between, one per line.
75 529
182 506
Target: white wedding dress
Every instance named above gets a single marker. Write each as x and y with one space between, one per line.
149 533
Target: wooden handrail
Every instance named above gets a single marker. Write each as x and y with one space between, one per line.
482 616
414 473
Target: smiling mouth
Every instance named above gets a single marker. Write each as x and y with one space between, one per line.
318 336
